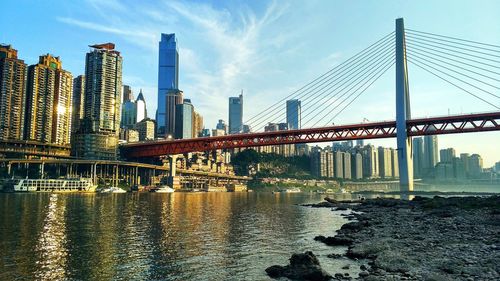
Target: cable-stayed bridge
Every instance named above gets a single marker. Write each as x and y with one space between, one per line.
471 67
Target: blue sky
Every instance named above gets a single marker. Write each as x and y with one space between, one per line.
268 49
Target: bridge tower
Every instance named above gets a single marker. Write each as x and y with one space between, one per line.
403 113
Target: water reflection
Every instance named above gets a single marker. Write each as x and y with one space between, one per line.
180 236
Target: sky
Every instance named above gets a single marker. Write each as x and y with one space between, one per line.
267 49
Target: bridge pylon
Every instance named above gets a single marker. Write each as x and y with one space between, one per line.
403 113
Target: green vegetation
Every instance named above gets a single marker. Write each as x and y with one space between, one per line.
272 165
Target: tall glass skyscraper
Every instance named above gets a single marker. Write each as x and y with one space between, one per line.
168 77
293 114
235 114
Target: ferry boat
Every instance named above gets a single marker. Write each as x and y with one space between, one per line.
54 185
112 189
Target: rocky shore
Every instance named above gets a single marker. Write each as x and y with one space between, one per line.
456 238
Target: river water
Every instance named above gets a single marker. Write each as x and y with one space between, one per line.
143 236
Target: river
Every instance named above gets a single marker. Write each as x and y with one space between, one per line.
144 236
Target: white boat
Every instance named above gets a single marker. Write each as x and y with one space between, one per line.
293 190
112 189
164 189
54 185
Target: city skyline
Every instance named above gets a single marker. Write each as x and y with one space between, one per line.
139 54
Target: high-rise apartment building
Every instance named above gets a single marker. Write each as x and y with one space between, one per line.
184 120
370 162
221 125
48 101
78 102
12 94
338 163
236 114
418 157
447 155
431 152
475 166
346 162
394 163
168 80
197 124
293 114
98 135
128 95
141 110
384 162
357 166
174 98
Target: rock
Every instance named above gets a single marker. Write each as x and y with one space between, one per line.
338 240
334 256
363 274
346 266
341 208
302 267
363 267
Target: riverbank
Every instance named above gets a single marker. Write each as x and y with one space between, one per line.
456 238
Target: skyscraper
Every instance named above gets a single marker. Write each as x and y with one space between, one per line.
236 114
129 114
370 162
293 114
48 100
430 154
173 98
140 104
447 155
168 79
146 129
221 125
97 137
418 156
127 94
184 120
197 124
78 102
12 91
384 162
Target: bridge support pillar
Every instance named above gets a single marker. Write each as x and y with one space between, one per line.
403 113
173 180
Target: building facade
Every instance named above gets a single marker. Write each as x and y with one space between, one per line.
49 102
12 94
431 157
128 95
146 129
174 98
78 102
129 114
97 137
418 157
293 114
168 80
184 120
141 111
236 114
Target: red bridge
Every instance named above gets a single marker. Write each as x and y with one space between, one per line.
417 127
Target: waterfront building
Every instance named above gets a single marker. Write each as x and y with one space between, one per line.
418 157
447 155
357 166
127 94
370 162
174 98
360 143
221 125
184 120
384 162
48 101
346 163
12 94
322 164
459 168
236 114
78 102
129 135
97 137
168 81
465 160
140 104
205 133
497 167
444 171
338 163
197 124
475 166
394 163
293 114
146 129
430 154
246 129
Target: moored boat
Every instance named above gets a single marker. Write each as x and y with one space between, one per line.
54 185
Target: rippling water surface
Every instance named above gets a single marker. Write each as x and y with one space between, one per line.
142 236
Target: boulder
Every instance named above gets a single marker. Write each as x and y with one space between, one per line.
302 267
